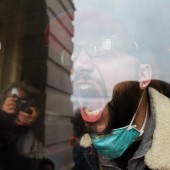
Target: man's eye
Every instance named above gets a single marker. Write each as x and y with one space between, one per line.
99 48
106 44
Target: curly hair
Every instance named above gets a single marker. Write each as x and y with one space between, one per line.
30 91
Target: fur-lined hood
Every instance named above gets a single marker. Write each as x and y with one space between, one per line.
158 156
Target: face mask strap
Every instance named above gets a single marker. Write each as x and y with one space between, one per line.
144 123
130 125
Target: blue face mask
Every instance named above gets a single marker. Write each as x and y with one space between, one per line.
115 144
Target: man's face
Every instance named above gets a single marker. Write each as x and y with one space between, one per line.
95 76
101 61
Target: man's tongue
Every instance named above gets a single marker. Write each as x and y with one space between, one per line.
91 101
91 113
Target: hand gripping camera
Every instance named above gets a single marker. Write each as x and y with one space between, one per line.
22 104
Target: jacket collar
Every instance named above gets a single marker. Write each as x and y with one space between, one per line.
158 155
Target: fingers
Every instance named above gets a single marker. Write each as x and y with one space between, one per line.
34 113
25 119
9 105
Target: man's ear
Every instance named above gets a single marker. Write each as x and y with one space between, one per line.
145 74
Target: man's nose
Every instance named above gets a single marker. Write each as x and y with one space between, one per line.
83 62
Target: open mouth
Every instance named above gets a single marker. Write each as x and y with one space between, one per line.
91 99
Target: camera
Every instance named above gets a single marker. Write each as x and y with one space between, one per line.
24 105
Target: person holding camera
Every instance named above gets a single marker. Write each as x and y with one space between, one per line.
19 141
16 101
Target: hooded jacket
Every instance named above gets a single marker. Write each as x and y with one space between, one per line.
154 149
